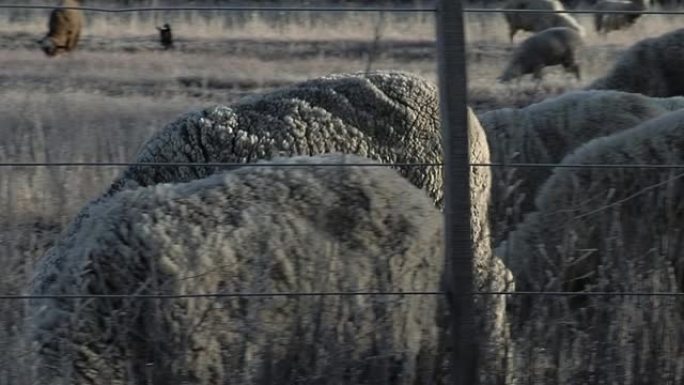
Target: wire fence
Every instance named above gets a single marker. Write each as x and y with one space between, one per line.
346 294
326 9
313 165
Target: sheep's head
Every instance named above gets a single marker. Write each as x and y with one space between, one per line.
511 72
48 46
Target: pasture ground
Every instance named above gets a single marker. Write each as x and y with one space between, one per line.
102 101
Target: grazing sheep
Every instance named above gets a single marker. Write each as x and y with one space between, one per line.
166 224
165 36
254 229
653 66
537 22
545 132
605 23
386 116
599 229
389 117
547 48
64 29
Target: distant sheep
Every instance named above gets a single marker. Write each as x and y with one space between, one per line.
251 230
537 22
545 132
547 48
653 66
64 29
613 230
607 22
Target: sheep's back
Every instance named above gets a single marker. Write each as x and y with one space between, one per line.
255 229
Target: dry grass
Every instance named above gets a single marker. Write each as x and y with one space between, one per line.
100 103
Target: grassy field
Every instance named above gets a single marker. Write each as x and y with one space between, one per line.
101 102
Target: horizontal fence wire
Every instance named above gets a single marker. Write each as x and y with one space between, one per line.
573 11
252 8
343 294
231 8
300 165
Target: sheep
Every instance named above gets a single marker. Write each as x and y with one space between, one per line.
64 29
547 48
165 36
604 23
390 117
537 22
653 67
386 116
601 229
547 131
248 192
253 229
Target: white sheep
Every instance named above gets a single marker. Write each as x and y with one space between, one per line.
653 66
607 22
386 116
537 22
607 229
553 46
254 229
547 131
250 230
396 119
390 117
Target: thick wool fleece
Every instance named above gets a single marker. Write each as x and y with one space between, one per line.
251 230
548 131
388 117
653 66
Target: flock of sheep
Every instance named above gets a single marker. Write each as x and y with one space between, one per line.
557 35
302 215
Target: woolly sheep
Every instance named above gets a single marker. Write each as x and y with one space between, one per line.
547 48
254 229
545 132
598 229
604 23
54 273
653 66
537 22
64 29
391 117
329 229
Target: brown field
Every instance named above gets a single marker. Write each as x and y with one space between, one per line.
102 101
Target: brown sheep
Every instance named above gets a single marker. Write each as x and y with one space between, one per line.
64 29
547 48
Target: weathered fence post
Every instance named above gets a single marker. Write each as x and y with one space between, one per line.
457 211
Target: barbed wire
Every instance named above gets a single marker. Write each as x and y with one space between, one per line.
311 165
341 294
251 8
